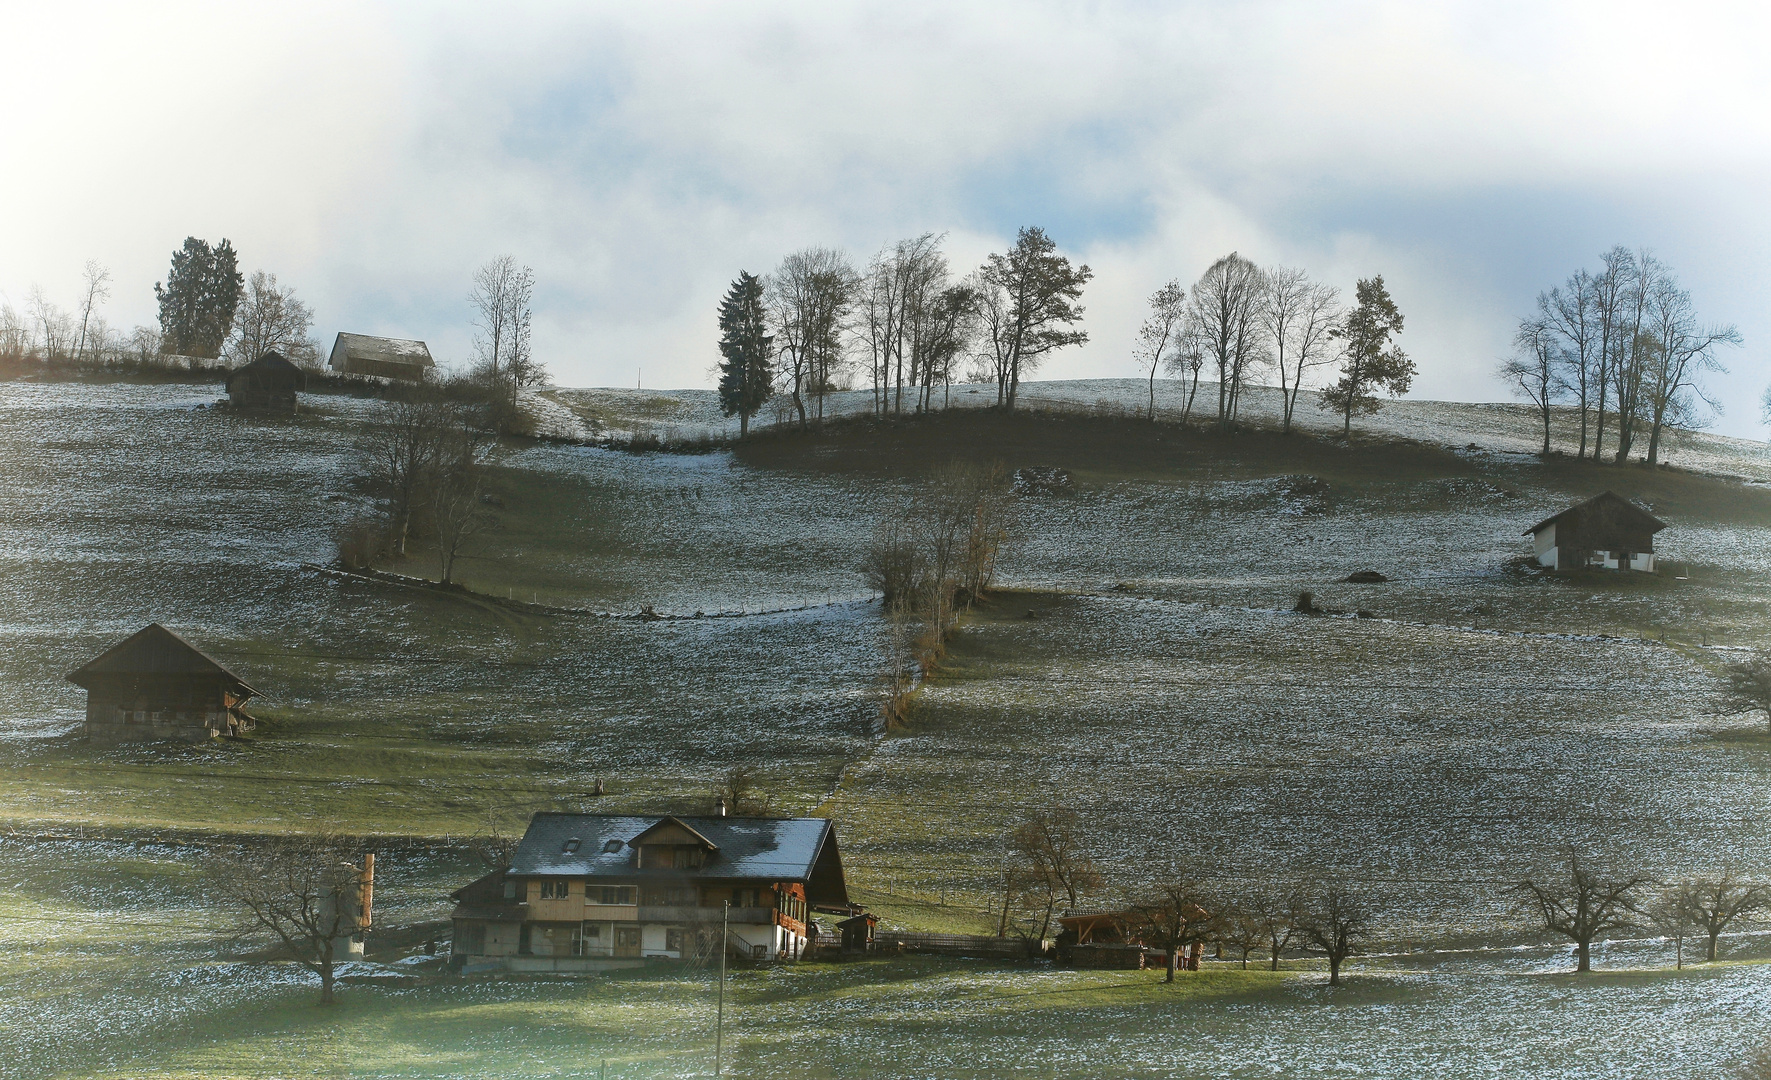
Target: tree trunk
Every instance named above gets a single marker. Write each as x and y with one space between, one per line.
1334 970
1586 958
743 424
326 983
1152 390
1710 953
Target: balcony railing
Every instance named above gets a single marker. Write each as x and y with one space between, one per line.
746 915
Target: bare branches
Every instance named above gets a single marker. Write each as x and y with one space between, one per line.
1175 915
1584 904
501 298
1534 370
1334 920
1159 337
1048 846
1749 687
304 892
269 318
97 289
1300 317
811 299
1224 321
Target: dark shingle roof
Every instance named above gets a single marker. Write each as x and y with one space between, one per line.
1607 503
154 650
777 849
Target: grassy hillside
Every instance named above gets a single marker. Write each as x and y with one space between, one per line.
1141 665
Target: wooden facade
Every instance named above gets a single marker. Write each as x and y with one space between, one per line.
156 685
588 892
268 384
1605 531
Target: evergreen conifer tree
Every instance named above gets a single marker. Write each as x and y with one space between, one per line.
747 375
197 301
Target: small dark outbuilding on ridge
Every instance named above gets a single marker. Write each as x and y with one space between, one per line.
269 383
1607 530
156 685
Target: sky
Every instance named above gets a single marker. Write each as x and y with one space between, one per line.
639 155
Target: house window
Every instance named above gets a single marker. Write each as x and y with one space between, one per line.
571 846
613 894
555 889
510 890
610 847
673 939
685 858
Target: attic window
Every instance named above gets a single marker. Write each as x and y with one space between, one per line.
571 846
610 847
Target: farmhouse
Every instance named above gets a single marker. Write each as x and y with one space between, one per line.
380 357
156 685
593 892
269 383
1606 530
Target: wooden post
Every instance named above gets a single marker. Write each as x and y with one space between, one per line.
719 1023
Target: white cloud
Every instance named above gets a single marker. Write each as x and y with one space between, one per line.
639 155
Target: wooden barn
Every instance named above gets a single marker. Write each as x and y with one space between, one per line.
381 358
156 685
1605 531
268 384
593 892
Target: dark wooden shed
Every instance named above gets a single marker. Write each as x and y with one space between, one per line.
1607 530
156 685
268 384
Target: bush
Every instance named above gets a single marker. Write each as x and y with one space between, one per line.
361 543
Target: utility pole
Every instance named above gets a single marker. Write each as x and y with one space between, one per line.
719 1023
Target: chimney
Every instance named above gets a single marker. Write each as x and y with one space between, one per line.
719 807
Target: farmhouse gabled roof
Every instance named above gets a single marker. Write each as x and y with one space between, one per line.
154 650
775 849
384 349
1605 501
666 822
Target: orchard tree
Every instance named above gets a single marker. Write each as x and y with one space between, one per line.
1053 864
1370 362
1334 920
1584 904
1713 903
198 299
747 371
1174 916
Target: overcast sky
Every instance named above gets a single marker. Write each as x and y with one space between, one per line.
638 155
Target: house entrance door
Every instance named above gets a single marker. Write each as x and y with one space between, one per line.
627 941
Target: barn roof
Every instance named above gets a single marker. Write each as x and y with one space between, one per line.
154 650
384 350
1606 502
272 365
776 849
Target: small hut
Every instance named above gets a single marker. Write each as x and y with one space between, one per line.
156 685
268 384
381 358
856 933
1607 530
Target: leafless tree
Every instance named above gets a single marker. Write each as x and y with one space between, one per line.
1749 686
270 318
1635 346
1224 317
402 454
1159 337
1584 904
1242 932
1571 313
1335 920
304 892
15 334
742 793
901 292
1682 351
1174 916
457 511
1610 289
1300 317
1669 914
1187 361
145 345
1048 847
494 847
95 290
895 565
1277 915
54 328
1713 904
501 298
1025 301
811 298
1534 370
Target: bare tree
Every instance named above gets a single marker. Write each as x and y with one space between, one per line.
402 453
1533 370
1680 353
1334 920
306 893
895 566
1585 904
1174 916
902 288
54 329
1159 337
1610 287
1713 904
270 318
1224 319
811 298
1571 313
1187 361
1300 317
1749 687
1048 846
457 510
524 369
1669 913
96 289
1027 299
742 793
1278 916
145 345
501 299
1635 347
